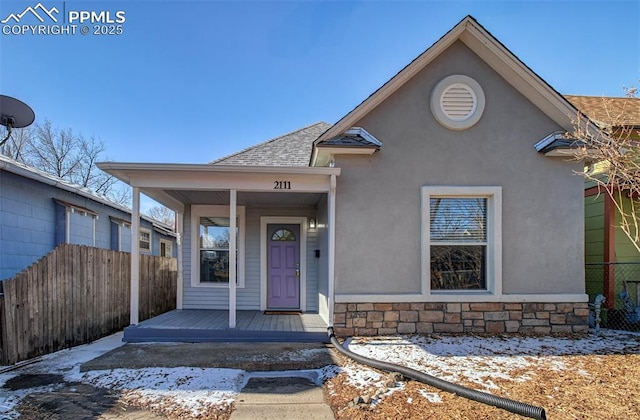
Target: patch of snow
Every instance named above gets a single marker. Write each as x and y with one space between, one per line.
65 362
432 397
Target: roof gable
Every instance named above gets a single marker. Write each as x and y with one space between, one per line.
292 149
491 51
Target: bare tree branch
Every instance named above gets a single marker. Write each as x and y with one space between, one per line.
17 145
54 151
66 155
613 157
162 214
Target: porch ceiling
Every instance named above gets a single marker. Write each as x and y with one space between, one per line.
289 199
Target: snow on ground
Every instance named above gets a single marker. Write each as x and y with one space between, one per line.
454 358
479 359
193 389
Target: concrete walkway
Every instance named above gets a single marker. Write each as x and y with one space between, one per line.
246 356
282 383
282 398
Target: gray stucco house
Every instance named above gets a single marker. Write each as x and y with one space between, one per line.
39 211
427 208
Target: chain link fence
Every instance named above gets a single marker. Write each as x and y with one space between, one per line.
622 311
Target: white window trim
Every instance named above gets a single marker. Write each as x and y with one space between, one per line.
494 239
143 250
69 209
198 211
166 243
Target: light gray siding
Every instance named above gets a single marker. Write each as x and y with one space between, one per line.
248 297
378 197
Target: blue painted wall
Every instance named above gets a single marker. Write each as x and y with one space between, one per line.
32 223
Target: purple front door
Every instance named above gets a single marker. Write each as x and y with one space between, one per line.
283 262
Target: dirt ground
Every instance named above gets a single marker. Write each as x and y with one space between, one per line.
595 387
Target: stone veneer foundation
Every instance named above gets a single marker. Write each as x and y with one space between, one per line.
368 319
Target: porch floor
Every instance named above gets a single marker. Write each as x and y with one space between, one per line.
203 325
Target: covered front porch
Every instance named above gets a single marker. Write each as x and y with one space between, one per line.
205 325
283 249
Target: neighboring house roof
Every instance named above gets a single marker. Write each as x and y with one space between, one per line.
26 171
619 111
489 49
292 149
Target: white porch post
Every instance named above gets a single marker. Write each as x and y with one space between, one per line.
135 257
232 257
179 239
331 258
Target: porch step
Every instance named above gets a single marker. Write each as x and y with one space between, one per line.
140 334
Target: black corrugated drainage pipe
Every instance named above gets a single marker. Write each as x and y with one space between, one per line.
472 394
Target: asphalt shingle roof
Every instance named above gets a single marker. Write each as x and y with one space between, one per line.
620 111
292 149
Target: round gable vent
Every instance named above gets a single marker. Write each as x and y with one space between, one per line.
457 102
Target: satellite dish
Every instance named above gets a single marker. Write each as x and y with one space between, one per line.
14 114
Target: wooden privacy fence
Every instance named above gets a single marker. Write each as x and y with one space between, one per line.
77 294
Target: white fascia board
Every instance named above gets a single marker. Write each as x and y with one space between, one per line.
131 167
203 181
560 153
210 177
347 150
323 154
568 152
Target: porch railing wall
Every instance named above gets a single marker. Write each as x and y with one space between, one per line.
77 294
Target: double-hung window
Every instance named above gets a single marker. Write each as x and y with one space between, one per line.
462 239
145 240
211 238
166 248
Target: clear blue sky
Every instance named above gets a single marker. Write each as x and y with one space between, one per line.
191 81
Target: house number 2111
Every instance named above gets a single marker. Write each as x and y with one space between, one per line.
281 185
